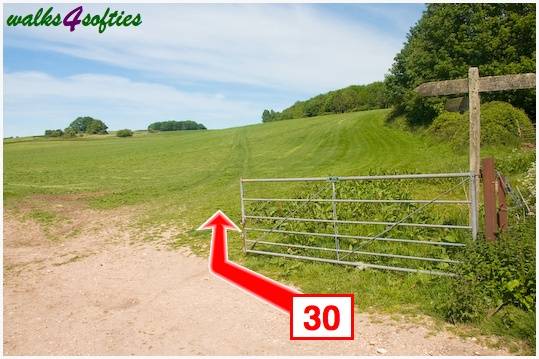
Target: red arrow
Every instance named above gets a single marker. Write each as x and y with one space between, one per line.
254 283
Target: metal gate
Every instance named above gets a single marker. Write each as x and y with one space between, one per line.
381 222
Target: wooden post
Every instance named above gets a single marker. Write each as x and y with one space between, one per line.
475 125
489 193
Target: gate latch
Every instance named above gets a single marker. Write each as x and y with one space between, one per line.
333 179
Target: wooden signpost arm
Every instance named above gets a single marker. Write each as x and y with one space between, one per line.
506 82
486 84
443 88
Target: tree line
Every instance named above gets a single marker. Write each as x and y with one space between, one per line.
349 99
90 125
175 126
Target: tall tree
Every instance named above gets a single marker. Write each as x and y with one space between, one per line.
88 124
449 38
266 116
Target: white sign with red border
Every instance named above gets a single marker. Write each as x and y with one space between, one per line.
322 317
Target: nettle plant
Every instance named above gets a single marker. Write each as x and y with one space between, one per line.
496 275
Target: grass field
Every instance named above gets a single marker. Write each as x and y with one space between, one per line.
201 169
186 176
183 177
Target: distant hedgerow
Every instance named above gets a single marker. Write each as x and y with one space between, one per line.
54 133
175 126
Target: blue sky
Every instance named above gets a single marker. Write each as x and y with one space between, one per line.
221 65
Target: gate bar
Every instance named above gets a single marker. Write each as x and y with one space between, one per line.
352 200
389 255
355 264
387 239
453 226
347 178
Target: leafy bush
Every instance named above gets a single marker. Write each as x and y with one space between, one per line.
452 127
501 124
124 133
175 126
495 275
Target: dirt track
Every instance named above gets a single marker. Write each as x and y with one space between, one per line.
97 293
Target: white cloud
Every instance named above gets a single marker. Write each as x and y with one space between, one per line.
237 53
292 47
33 99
